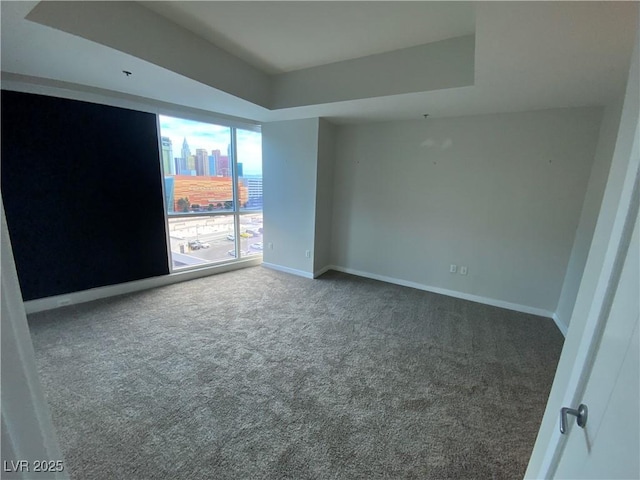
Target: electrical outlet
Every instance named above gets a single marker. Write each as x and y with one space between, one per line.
463 270
307 254
270 245
453 268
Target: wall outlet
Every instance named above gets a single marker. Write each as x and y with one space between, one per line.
463 270
270 245
307 254
63 302
453 268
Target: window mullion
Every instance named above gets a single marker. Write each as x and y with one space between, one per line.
236 190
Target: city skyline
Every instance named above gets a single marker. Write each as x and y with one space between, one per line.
212 137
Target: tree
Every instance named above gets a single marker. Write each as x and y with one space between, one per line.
183 204
210 207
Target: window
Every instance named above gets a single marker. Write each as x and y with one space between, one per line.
250 167
213 191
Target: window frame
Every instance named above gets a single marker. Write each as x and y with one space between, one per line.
236 212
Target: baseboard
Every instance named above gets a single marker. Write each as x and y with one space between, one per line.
49 303
450 293
323 270
562 326
292 271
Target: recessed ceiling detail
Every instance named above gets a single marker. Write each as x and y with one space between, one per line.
513 56
438 65
280 37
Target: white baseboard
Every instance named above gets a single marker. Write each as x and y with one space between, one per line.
292 271
83 296
57 301
324 269
450 293
562 326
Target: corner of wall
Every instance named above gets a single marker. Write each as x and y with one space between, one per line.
600 167
324 194
322 271
561 324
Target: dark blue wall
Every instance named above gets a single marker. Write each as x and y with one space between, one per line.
82 192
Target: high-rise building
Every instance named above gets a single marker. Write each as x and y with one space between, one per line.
180 165
167 156
223 166
168 192
191 165
202 162
212 165
186 151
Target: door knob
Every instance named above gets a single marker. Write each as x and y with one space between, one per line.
581 416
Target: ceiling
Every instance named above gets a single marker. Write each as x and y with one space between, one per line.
279 37
527 55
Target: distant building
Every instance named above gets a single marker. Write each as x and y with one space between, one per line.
222 164
180 165
212 165
191 165
168 193
168 164
186 151
202 162
254 188
204 191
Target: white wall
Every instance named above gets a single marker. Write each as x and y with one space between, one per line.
500 194
27 432
289 166
589 215
324 195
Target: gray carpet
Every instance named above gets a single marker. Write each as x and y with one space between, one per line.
257 374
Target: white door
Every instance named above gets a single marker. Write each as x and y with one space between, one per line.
608 446
599 361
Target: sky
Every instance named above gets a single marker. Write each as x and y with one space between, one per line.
214 137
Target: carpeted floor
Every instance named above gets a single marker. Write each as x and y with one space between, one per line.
257 374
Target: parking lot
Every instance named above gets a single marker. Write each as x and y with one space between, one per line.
212 239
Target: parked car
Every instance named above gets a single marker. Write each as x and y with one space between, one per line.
256 246
253 233
231 252
245 235
231 237
197 245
